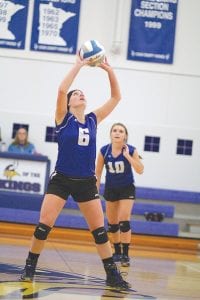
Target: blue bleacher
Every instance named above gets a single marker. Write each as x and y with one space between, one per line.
28 202
78 222
168 195
24 208
164 195
138 208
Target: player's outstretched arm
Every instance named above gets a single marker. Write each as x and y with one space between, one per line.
61 107
115 94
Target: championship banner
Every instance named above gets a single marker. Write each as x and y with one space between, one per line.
55 26
152 31
13 20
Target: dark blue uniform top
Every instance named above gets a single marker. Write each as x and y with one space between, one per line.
118 169
77 146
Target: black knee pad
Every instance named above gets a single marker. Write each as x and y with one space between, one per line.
100 235
113 227
42 231
124 226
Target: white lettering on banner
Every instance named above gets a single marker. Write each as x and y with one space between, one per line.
7 10
51 21
68 1
10 43
155 25
154 5
156 10
153 14
166 1
150 55
53 48
62 1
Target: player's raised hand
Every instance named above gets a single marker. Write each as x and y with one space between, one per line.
125 150
79 61
105 65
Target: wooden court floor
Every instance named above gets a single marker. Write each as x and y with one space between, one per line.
71 269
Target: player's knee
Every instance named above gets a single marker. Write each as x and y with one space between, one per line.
42 231
100 235
124 226
113 227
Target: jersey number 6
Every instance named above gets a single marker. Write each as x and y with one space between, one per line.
83 137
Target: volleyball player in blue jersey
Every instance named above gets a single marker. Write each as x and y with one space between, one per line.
119 158
75 172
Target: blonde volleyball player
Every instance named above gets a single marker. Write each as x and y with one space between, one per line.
119 158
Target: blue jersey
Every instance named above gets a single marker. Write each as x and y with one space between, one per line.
118 169
77 146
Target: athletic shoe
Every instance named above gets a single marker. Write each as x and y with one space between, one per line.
117 257
114 278
28 272
125 261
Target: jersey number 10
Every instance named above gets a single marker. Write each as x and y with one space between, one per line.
117 168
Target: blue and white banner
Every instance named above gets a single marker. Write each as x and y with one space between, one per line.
152 30
13 20
55 26
22 176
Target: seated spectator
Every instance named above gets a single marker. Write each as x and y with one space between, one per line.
21 143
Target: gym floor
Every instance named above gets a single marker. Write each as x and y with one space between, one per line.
71 269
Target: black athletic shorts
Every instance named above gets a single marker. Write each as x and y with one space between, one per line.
115 194
81 189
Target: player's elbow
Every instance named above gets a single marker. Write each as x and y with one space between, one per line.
140 170
118 97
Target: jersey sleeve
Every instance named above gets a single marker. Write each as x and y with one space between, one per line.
64 122
131 149
104 150
93 117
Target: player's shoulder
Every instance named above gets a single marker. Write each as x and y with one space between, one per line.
131 148
105 148
92 115
69 116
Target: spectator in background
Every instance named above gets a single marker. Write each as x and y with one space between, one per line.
119 159
21 143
